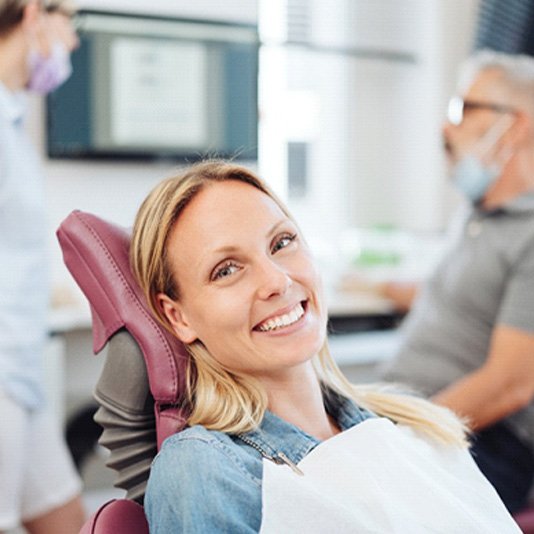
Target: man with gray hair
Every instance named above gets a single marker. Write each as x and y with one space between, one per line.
468 341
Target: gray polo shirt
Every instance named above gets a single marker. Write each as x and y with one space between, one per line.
485 279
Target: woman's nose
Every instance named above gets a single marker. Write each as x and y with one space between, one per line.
273 280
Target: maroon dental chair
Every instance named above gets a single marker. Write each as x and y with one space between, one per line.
141 388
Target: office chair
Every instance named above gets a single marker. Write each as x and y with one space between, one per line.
141 390
142 384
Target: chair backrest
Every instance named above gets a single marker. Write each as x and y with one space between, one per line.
96 253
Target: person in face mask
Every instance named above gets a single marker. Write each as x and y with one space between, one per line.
468 341
39 486
476 171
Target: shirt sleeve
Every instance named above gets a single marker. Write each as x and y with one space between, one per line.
196 486
517 307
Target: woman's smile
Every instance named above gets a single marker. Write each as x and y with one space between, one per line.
281 321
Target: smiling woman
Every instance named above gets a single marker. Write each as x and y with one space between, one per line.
227 270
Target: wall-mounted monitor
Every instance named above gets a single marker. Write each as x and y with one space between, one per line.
147 87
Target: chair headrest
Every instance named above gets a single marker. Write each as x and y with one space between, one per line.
96 253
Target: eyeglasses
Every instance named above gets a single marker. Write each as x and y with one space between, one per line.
458 106
64 7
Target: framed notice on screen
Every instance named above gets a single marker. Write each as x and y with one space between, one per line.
150 88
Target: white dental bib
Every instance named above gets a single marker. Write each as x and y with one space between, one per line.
378 477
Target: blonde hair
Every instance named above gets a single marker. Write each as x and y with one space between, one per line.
232 402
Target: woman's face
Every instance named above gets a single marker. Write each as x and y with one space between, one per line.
249 289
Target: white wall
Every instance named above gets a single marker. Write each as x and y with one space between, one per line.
115 190
398 175
234 10
374 126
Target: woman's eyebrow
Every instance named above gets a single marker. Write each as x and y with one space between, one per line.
228 249
278 224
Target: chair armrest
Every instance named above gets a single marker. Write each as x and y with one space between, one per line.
119 516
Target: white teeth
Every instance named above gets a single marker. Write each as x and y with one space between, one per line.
284 320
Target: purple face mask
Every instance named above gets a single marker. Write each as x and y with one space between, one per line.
48 73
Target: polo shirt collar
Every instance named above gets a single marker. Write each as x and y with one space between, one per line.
522 203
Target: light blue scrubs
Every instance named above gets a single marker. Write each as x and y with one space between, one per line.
23 262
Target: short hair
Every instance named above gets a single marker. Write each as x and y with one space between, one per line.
517 75
11 11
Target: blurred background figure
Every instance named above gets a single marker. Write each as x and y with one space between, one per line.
39 486
468 341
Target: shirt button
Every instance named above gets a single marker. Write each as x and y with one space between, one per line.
474 228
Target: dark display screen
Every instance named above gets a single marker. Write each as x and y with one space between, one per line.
152 88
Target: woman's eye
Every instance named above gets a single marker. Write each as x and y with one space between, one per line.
283 242
225 270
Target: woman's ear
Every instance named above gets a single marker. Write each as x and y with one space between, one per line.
177 319
31 14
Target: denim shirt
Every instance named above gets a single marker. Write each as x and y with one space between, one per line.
205 481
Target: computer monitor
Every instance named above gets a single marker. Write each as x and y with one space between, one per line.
146 87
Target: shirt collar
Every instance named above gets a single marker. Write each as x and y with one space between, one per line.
275 435
521 204
12 105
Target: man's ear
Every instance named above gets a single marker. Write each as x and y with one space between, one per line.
515 135
176 317
520 129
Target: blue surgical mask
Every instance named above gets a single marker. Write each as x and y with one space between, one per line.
473 178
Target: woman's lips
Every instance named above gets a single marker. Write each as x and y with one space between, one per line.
283 318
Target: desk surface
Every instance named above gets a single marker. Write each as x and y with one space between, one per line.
357 348
342 304
67 318
364 348
78 316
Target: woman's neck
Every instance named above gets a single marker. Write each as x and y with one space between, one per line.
297 398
